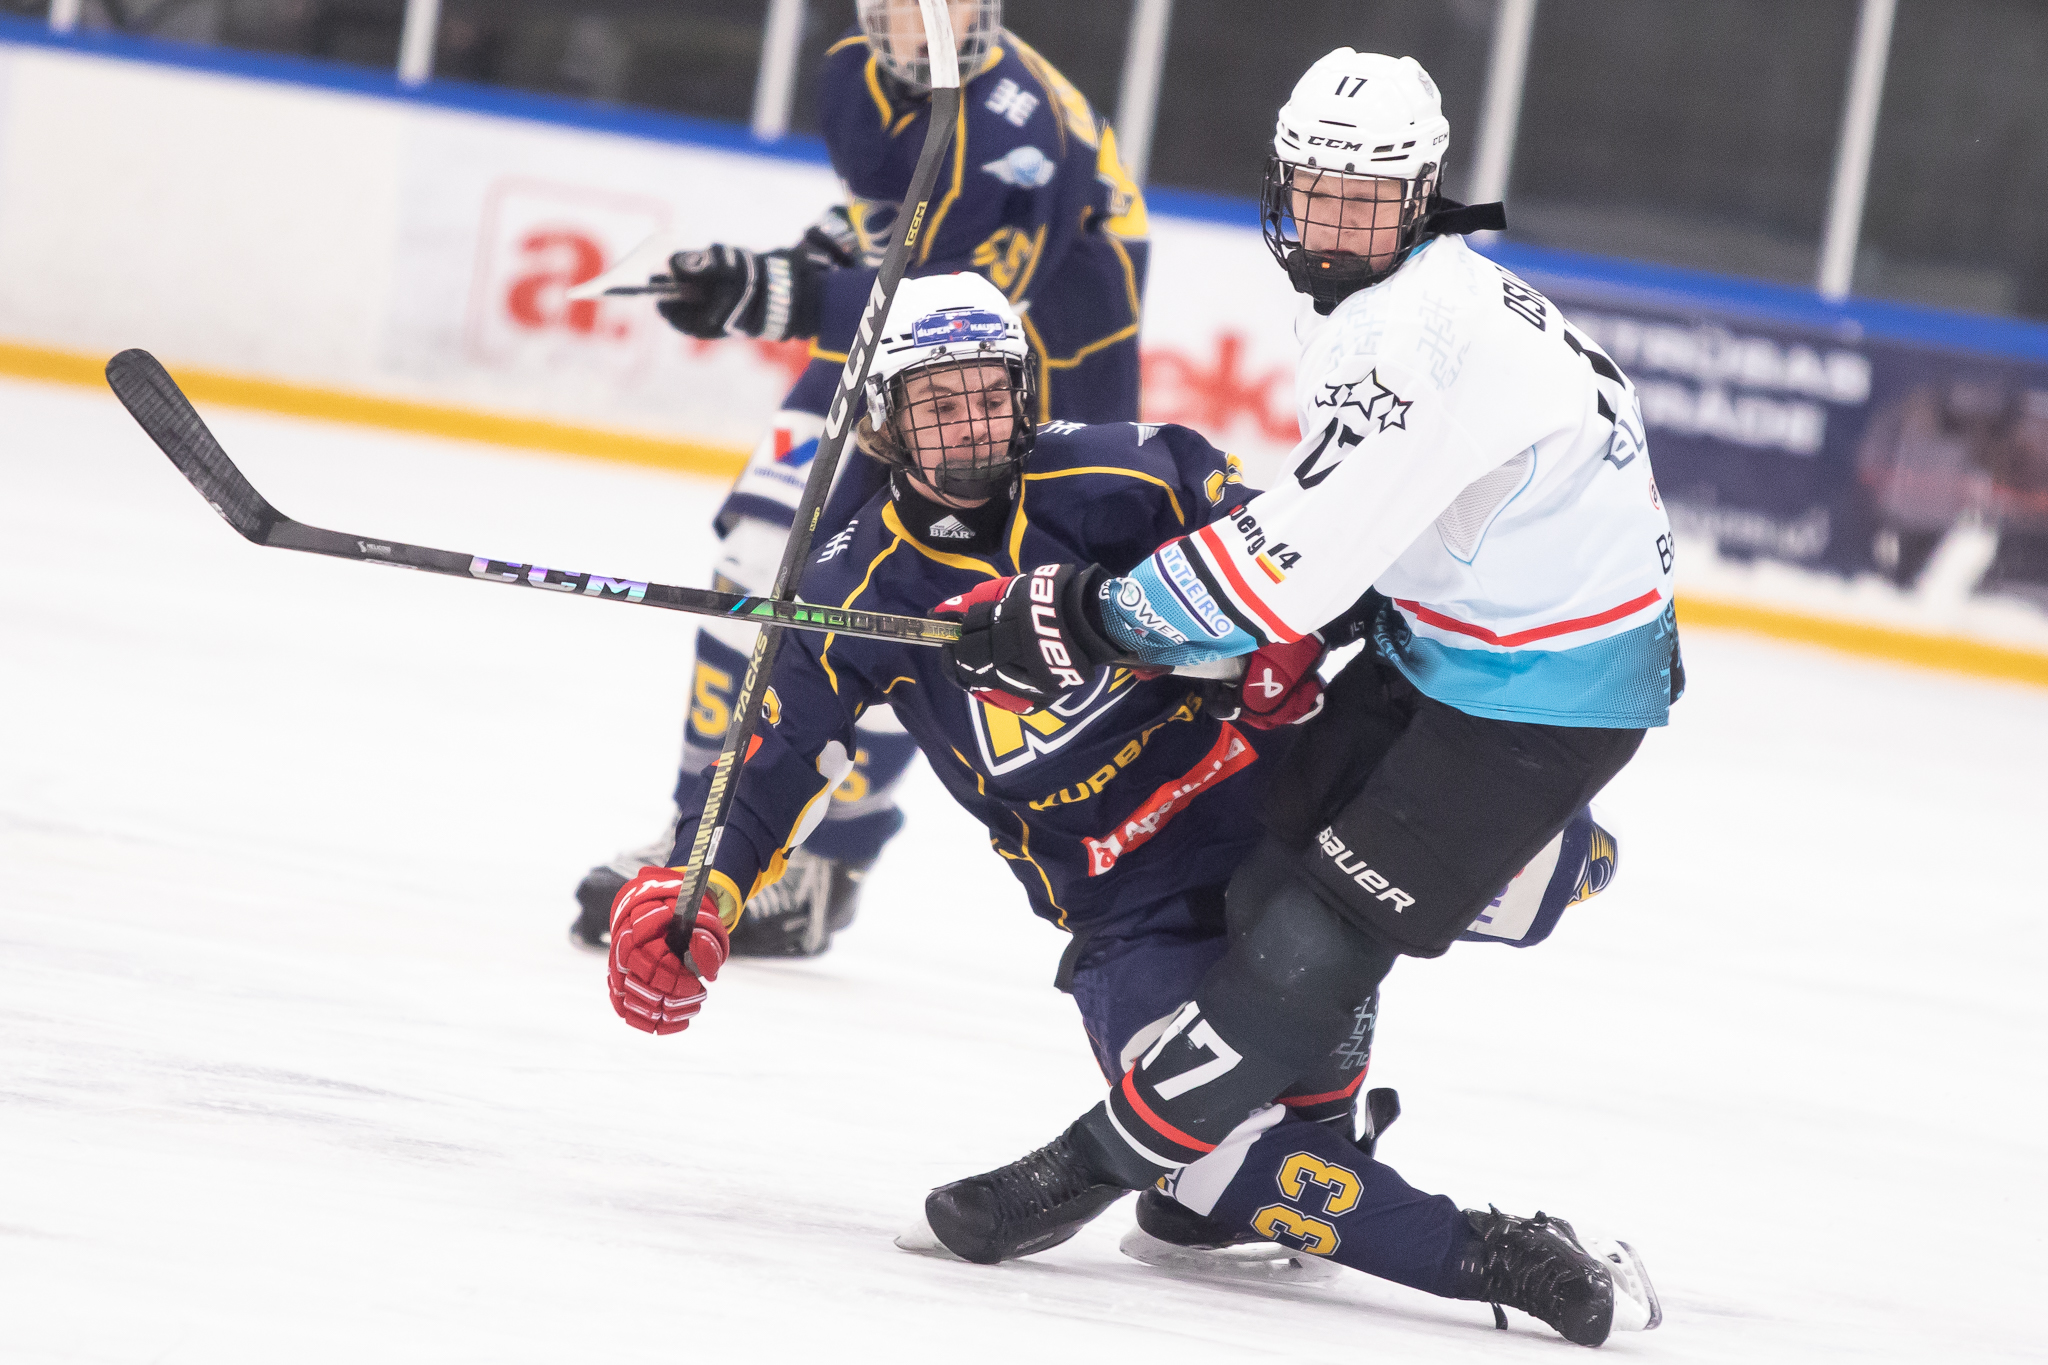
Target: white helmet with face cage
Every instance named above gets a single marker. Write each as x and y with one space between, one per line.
961 322
895 33
1353 114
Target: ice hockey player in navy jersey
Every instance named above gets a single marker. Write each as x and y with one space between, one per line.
1473 496
1122 809
1035 200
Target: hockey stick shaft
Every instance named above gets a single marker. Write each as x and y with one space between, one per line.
167 415
839 420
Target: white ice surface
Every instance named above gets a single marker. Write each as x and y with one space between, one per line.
296 1065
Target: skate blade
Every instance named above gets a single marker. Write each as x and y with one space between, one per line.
1636 1306
1253 1262
920 1240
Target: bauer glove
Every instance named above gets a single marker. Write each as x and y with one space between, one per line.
1025 640
729 290
651 989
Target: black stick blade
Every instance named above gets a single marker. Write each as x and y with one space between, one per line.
154 400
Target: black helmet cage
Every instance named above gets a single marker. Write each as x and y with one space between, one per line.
987 467
1327 276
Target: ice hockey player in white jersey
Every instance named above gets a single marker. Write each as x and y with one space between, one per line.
1472 496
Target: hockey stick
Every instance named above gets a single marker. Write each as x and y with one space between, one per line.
839 418
163 411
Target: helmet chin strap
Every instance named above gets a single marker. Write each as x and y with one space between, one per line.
1330 280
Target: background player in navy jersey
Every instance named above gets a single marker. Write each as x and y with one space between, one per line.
1122 809
1036 201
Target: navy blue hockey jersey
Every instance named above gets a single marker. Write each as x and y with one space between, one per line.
1116 796
1034 197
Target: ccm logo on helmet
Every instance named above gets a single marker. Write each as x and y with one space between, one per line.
1046 621
1354 867
1337 143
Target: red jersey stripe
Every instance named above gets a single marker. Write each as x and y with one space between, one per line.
1219 558
1523 637
1160 1125
1301 1101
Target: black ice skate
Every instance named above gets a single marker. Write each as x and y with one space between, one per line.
1583 1288
796 917
1173 1237
592 927
1028 1206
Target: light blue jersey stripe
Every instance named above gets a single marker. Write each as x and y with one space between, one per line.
1620 683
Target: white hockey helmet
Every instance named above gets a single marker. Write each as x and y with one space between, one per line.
1354 117
961 324
895 33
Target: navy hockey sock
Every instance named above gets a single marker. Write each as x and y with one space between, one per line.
1308 1187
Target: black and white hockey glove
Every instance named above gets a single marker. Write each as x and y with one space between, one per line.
1025 640
831 241
727 290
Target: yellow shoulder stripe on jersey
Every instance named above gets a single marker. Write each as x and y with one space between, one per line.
903 123
872 73
931 229
1025 56
896 528
856 40
899 678
825 650
820 353
1171 496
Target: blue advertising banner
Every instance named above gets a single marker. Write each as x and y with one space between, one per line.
1808 435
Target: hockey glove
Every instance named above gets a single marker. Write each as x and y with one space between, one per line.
831 241
650 987
727 290
1025 640
1280 686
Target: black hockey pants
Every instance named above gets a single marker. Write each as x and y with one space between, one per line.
1393 822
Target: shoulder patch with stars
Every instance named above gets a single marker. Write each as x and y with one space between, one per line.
1370 399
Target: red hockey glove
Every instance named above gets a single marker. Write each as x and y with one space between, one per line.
1280 685
1025 640
651 989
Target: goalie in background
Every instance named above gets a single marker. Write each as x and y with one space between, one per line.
1036 201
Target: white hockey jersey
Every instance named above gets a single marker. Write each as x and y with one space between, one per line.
1480 462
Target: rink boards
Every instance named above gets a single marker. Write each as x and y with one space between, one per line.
313 239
